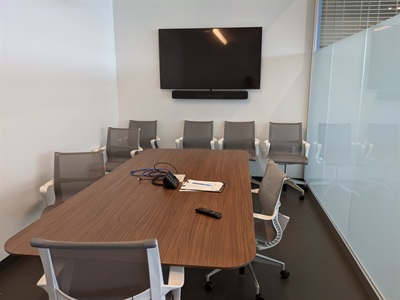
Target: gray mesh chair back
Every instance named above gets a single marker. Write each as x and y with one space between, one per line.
286 143
148 133
73 171
268 231
383 143
286 147
98 271
240 136
335 139
198 134
120 144
336 149
335 142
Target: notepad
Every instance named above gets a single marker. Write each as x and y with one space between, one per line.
201 185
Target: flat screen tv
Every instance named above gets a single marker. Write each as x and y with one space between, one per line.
210 58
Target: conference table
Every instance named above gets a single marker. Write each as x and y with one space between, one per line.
119 207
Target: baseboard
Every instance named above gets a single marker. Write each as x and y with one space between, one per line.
356 266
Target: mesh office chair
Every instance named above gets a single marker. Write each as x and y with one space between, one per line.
73 171
382 143
122 144
197 135
240 136
335 149
286 146
334 144
382 146
105 271
269 222
148 133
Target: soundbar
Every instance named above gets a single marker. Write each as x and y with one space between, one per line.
236 95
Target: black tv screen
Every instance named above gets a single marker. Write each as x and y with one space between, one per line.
210 58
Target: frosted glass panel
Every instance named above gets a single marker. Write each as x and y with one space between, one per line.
353 129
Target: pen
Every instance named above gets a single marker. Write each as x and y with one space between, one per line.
200 183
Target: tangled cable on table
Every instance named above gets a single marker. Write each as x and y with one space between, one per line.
154 174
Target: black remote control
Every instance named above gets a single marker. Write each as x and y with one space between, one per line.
209 212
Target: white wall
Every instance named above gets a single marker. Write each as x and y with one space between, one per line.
286 59
58 93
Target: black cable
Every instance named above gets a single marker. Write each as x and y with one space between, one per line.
165 163
156 175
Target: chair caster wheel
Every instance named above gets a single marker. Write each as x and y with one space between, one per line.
285 274
301 197
259 297
209 286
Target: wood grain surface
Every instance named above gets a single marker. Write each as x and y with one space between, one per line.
119 207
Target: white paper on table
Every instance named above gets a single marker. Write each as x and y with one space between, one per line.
201 185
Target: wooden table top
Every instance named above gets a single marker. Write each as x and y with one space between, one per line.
119 207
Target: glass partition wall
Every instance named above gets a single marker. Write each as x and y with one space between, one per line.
353 129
